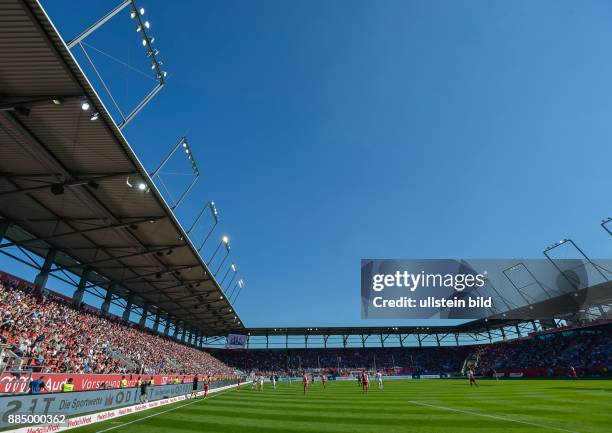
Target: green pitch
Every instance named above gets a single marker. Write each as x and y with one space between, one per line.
403 406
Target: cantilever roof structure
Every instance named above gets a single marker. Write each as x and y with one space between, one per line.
64 184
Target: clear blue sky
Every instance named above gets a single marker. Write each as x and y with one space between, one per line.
331 131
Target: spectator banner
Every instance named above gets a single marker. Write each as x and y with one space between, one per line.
74 403
236 341
93 418
475 289
18 384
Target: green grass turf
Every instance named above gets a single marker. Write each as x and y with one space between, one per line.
403 406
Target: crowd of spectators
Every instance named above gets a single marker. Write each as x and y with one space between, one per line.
586 349
426 360
47 334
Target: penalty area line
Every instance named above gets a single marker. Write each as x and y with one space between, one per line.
163 412
485 415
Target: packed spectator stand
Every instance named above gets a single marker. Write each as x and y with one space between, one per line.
342 361
587 348
49 335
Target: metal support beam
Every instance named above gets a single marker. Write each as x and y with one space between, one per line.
77 296
156 322
4 226
128 309
98 23
41 279
143 318
107 300
167 327
70 183
141 105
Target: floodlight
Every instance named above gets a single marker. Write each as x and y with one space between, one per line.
85 106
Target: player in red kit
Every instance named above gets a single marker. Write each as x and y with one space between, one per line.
365 380
472 377
324 380
305 381
206 385
573 373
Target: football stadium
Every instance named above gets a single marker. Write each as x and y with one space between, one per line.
273 216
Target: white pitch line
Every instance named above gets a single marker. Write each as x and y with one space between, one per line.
162 412
491 416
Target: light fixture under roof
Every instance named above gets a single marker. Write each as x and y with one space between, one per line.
85 105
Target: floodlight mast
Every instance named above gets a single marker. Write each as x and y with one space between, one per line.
215 214
605 223
95 26
147 42
241 285
224 240
232 267
571 242
182 144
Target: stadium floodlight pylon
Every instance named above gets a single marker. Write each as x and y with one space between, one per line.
147 42
224 241
548 249
215 215
184 145
605 223
232 267
520 289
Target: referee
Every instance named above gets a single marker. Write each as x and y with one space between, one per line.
194 389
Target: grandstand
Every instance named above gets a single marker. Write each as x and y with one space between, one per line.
92 217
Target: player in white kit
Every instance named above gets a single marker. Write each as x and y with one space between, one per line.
379 380
261 382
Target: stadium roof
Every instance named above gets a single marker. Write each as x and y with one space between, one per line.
64 183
